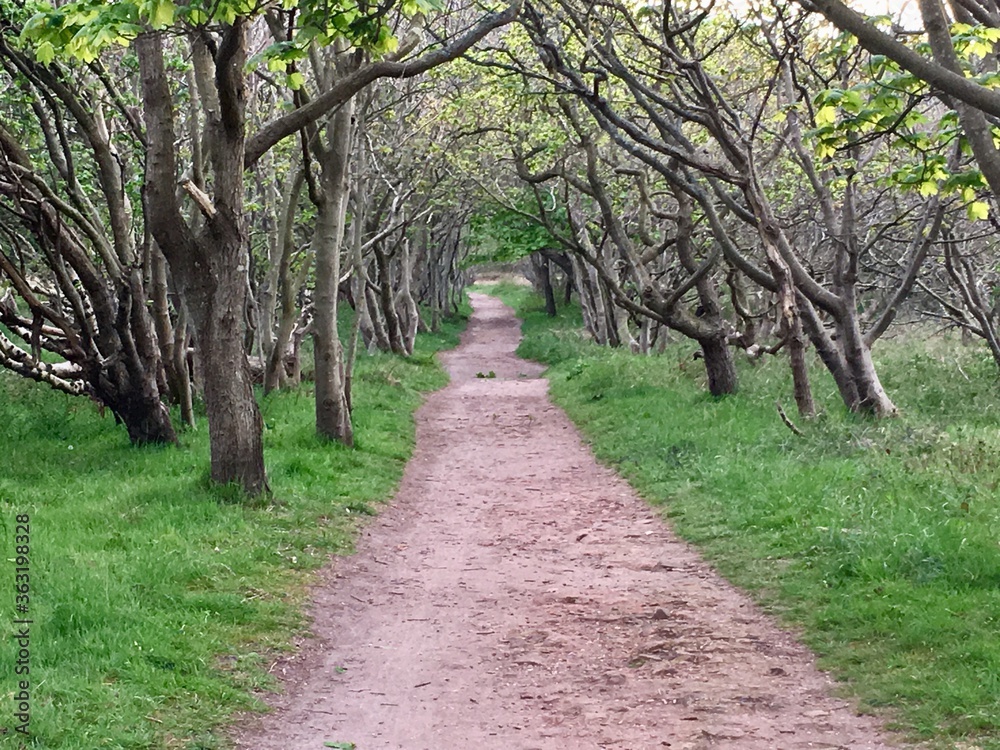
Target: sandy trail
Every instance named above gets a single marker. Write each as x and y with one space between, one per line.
518 596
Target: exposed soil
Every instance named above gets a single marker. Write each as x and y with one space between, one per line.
518 596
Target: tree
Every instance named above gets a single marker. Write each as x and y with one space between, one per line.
962 80
207 254
693 134
78 290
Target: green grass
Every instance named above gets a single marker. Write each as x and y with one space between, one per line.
878 541
158 602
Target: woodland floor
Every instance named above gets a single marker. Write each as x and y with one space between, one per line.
516 595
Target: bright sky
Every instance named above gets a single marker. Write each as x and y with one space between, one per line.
906 10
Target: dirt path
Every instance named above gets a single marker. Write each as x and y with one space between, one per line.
518 596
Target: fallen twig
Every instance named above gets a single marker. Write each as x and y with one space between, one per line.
788 423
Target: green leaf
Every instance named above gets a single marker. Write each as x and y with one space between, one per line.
45 53
978 210
826 115
296 80
824 150
852 102
979 48
162 14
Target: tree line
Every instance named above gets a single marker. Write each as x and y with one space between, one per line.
189 190
779 176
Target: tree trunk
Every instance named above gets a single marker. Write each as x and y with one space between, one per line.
288 283
235 426
719 365
407 303
181 366
829 353
357 284
136 397
381 336
433 294
586 307
172 338
210 265
769 232
333 417
872 398
385 298
800 369
268 292
544 281
857 354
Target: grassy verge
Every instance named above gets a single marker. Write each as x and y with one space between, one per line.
880 541
158 603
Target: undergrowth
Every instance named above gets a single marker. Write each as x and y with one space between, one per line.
878 540
158 601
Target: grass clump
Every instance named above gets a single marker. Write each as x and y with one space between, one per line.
159 601
878 540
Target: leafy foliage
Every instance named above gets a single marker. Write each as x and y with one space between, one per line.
84 28
500 234
891 102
